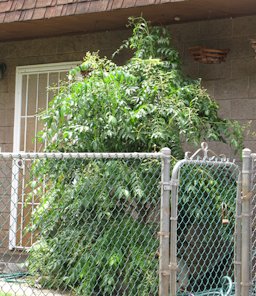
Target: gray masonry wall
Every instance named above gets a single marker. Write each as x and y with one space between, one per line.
31 52
232 84
41 51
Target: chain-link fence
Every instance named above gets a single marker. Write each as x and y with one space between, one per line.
204 198
98 224
80 224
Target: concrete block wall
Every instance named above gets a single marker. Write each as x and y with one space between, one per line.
233 83
41 51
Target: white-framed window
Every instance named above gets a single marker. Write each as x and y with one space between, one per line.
32 95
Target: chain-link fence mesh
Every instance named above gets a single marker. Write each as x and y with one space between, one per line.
79 225
88 224
206 223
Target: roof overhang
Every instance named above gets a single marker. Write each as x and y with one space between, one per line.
189 10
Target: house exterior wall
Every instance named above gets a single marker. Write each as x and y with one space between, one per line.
42 51
38 51
232 84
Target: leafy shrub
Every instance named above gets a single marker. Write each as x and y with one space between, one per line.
98 233
143 105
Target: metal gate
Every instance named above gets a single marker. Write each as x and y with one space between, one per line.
205 244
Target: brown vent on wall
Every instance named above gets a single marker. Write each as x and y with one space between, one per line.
208 55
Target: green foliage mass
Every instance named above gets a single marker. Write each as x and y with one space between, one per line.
97 231
143 105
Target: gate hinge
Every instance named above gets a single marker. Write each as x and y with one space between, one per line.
173 266
246 215
167 186
164 234
248 284
173 219
247 196
165 272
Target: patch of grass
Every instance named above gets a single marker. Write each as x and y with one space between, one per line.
5 294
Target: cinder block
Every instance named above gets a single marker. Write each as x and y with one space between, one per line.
6 118
8 134
4 241
252 86
225 108
6 100
243 109
220 148
231 88
215 71
4 85
251 145
185 31
215 29
240 68
7 147
250 129
209 86
4 220
239 47
191 69
244 26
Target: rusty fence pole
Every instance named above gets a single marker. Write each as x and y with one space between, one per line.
164 273
246 222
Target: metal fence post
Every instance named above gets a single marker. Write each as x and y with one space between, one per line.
164 273
246 212
173 241
238 238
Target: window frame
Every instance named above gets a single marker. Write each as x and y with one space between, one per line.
20 71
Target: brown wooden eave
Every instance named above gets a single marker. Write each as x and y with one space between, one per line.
116 17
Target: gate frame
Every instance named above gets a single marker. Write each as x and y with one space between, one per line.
195 159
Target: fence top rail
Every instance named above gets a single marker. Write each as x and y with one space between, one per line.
89 155
202 162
